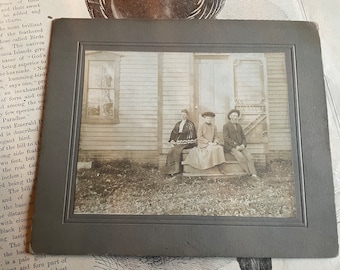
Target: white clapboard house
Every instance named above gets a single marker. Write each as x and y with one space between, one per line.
132 100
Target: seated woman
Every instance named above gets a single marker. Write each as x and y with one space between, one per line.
208 152
183 136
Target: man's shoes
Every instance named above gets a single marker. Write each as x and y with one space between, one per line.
223 172
221 169
171 176
256 177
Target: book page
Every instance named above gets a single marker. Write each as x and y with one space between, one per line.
24 41
23 59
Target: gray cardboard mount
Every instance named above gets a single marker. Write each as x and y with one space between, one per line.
56 230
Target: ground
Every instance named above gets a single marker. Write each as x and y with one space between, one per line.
125 187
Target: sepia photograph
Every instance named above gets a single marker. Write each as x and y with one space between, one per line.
184 138
180 133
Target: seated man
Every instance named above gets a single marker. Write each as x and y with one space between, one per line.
183 136
235 143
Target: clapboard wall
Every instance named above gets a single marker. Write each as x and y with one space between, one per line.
135 135
279 135
153 89
177 94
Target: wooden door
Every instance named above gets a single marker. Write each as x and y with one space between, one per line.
214 91
224 82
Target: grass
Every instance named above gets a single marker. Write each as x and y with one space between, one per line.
125 187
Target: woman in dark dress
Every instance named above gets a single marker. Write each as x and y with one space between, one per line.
183 136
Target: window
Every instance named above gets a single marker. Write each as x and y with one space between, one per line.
101 87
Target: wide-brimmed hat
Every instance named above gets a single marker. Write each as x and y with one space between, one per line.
205 114
232 111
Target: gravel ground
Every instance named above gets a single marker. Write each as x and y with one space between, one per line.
124 187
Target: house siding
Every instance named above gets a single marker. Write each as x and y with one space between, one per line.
135 136
177 94
154 88
279 135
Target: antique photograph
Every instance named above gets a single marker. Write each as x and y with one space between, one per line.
176 133
184 138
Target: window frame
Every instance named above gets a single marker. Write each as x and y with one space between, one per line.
101 56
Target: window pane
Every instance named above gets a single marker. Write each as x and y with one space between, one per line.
100 83
107 101
95 74
93 104
107 74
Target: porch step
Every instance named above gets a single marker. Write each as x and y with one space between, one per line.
231 167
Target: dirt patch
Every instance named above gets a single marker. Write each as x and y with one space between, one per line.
125 187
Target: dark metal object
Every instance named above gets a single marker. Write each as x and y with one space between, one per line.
154 9
255 263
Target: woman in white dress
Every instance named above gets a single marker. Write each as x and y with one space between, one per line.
208 152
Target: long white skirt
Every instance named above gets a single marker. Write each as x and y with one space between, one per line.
205 158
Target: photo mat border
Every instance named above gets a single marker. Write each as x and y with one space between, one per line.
288 51
183 236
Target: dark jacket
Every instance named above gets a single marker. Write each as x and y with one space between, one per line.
188 133
233 136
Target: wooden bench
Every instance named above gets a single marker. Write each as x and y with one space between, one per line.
232 167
